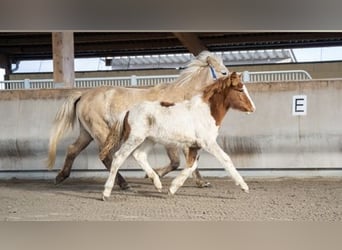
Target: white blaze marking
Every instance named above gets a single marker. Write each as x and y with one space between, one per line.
250 99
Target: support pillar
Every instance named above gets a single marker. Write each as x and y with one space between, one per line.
6 64
63 58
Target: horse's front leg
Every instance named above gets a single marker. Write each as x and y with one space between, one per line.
214 149
191 165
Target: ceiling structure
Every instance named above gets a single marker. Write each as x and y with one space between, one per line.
17 46
181 59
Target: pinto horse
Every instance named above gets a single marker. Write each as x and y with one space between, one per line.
98 109
191 125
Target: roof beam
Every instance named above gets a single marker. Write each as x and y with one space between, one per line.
37 45
191 42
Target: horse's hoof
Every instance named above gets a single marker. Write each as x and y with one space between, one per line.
172 190
105 198
245 188
170 193
203 184
159 188
125 186
157 184
60 178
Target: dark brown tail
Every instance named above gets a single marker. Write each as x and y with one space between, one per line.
119 132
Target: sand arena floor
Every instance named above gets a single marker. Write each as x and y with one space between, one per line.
312 199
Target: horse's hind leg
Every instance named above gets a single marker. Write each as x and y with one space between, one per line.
191 162
140 155
120 156
101 136
73 151
173 154
200 182
119 179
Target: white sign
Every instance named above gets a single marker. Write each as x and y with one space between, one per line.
299 105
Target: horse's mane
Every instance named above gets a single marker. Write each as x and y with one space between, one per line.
219 85
192 69
211 89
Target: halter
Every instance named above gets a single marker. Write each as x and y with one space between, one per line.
213 73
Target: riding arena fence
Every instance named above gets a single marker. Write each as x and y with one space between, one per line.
141 81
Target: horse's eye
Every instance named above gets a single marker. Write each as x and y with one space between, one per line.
240 90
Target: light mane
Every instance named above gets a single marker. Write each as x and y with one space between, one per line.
192 70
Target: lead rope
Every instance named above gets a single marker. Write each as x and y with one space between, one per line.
213 74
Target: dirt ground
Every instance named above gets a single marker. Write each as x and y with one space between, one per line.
313 199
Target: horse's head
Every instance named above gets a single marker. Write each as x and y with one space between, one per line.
215 63
226 93
217 68
237 96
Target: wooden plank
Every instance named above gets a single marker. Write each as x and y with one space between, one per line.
191 42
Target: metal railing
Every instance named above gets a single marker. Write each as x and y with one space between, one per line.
89 82
265 76
276 76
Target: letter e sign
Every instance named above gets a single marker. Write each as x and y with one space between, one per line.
299 105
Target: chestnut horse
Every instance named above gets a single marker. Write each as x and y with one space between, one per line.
98 109
191 125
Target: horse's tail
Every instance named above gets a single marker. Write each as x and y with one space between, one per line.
63 123
119 132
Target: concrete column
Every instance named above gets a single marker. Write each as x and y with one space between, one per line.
5 64
63 58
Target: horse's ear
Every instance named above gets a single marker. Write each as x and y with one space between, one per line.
209 60
227 80
235 78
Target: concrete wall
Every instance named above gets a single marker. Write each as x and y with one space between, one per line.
271 139
319 70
